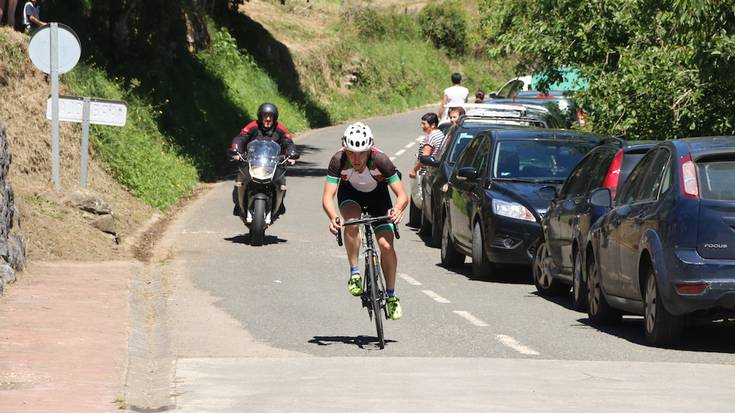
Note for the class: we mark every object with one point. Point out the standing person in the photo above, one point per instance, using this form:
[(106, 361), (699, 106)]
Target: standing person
[(265, 128), (455, 95), (360, 175), (479, 96), (32, 16), (455, 113), (433, 140)]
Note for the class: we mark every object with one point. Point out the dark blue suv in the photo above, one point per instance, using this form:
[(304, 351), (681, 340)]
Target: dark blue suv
[(666, 250)]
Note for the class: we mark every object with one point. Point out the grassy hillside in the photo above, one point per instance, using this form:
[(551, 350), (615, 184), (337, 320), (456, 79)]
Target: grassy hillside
[(193, 77)]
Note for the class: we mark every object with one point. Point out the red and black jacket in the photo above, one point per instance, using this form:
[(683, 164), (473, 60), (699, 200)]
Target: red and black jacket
[(252, 131)]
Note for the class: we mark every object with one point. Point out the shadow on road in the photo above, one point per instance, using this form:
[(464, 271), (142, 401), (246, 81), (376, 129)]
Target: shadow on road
[(245, 239), (503, 274), (563, 300), (700, 337), (359, 341)]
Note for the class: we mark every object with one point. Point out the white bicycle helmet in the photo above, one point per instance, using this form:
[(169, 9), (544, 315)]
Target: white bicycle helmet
[(358, 137)]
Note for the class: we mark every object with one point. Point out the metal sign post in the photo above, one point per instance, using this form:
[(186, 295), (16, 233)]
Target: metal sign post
[(83, 162), (55, 50), (54, 57)]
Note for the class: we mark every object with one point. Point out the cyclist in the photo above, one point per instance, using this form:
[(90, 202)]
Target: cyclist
[(360, 175), (265, 128)]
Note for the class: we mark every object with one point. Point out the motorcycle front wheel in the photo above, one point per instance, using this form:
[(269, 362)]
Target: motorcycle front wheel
[(257, 227)]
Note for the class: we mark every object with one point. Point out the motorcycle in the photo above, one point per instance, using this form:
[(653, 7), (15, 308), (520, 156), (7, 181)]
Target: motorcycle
[(260, 197)]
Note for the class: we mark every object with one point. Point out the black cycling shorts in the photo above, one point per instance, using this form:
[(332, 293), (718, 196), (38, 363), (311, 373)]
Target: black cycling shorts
[(376, 202)]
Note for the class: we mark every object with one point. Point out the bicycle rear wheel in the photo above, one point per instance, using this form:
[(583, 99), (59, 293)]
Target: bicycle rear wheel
[(375, 301)]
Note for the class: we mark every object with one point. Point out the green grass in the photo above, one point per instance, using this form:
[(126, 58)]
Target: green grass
[(247, 85), (138, 155)]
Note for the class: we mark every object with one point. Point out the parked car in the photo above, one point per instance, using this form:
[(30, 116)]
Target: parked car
[(562, 105), (511, 87), (484, 115), (666, 250), (499, 190), (558, 261)]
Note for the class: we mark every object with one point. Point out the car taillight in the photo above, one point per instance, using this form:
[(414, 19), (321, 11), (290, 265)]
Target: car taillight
[(691, 288), (582, 117), (689, 185), (613, 174)]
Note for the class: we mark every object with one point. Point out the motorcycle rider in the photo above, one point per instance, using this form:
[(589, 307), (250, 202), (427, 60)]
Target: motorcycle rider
[(266, 127)]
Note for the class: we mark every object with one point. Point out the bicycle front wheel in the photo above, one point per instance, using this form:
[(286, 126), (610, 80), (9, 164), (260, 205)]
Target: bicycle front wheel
[(375, 301)]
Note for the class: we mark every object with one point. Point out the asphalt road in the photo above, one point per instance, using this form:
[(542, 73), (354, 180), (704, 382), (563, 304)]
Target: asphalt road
[(273, 328)]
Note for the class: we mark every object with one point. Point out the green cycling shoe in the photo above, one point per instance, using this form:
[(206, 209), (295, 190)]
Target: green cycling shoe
[(394, 308), (354, 285)]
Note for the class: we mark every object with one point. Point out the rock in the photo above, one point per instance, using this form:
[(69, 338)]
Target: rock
[(105, 223), (7, 274), (16, 252), (89, 202)]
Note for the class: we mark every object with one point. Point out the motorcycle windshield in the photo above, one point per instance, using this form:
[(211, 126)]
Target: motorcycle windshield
[(263, 158)]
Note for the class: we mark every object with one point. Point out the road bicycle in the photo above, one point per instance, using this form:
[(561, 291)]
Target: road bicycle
[(374, 295)]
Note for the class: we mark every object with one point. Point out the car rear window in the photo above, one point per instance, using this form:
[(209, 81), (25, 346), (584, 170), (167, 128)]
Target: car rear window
[(534, 159), (716, 180)]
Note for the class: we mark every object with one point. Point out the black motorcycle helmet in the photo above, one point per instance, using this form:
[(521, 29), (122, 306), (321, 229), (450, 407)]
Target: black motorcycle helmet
[(265, 109)]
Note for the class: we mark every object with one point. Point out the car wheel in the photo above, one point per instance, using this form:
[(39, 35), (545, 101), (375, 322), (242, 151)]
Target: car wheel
[(662, 328), (449, 255), (579, 286), (481, 266), (425, 229), (414, 215), (598, 310), (543, 276)]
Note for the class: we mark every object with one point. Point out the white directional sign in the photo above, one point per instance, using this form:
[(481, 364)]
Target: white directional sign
[(101, 112)]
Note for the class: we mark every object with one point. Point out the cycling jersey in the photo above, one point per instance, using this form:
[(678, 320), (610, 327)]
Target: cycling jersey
[(367, 189), (379, 170)]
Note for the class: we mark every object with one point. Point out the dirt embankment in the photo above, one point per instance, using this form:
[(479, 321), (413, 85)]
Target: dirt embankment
[(54, 230)]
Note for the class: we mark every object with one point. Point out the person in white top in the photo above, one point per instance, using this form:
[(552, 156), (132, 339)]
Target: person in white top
[(455, 95)]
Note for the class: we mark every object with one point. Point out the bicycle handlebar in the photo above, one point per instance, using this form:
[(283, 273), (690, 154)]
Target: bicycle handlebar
[(369, 220)]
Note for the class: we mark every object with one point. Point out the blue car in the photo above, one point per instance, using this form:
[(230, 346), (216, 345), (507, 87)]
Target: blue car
[(558, 261), (666, 249)]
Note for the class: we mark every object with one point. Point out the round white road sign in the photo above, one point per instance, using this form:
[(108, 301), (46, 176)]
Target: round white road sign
[(68, 49)]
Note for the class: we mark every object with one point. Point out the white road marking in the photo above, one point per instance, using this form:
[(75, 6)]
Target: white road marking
[(407, 278), (472, 319), (419, 139), (515, 345), (187, 232), (410, 144), (401, 152), (392, 158), (436, 297), (277, 281)]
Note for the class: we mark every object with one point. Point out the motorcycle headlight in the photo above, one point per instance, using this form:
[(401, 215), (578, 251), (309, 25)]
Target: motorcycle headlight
[(261, 172), (512, 210)]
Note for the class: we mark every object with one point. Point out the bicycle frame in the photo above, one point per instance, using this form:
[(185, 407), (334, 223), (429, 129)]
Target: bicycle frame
[(374, 294)]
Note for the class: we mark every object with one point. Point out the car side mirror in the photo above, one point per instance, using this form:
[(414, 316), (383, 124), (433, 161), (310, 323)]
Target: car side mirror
[(294, 155), (467, 172), (428, 160), (493, 95), (548, 192), (601, 197)]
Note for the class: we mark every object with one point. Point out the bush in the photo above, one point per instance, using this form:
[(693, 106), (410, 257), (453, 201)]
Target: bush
[(445, 25), (368, 23)]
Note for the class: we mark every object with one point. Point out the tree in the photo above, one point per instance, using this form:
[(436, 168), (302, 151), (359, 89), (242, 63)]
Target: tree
[(658, 69)]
